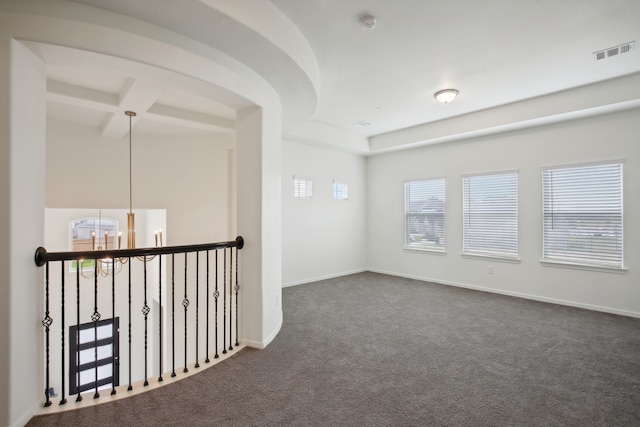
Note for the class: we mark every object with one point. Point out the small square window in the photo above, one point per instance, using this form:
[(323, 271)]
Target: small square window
[(340, 190), (302, 187)]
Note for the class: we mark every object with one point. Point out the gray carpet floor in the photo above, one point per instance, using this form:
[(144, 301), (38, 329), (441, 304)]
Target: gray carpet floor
[(376, 350)]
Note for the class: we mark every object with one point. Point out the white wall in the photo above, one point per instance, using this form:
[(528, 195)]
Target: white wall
[(187, 176), (322, 237), (601, 138)]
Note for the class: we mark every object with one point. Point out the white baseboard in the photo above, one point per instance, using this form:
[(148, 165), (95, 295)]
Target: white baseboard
[(514, 294), (260, 345), (329, 276)]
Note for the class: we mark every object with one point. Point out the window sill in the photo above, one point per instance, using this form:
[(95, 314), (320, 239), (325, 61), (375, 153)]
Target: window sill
[(492, 257), (433, 251), (575, 266)]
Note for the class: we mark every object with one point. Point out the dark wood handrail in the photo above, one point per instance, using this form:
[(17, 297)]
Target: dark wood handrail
[(42, 256)]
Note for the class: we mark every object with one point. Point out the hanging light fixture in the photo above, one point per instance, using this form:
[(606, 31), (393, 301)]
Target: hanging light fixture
[(131, 217), (104, 265), (446, 95)]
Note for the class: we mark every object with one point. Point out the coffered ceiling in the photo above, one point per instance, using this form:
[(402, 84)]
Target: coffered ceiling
[(380, 80)]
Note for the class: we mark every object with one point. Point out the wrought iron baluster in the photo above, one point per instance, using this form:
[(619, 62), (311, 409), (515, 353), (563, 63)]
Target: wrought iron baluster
[(78, 266), (62, 357), (230, 298), (216, 294), (207, 332), (173, 315), (115, 361), (237, 288), (224, 302), (95, 317), (197, 365), (185, 304), (160, 315), (46, 322), (145, 312), (130, 358)]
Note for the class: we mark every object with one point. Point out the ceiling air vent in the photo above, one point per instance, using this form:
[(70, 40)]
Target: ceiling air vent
[(625, 48), (613, 51)]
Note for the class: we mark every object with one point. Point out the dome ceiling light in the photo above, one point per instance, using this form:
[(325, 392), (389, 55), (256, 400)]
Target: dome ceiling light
[(446, 95)]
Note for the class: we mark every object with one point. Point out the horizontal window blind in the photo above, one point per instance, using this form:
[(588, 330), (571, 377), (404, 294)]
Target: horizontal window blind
[(582, 215), (302, 187), (490, 215), (424, 214)]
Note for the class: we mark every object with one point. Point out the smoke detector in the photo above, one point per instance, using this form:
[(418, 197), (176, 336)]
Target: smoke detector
[(368, 22)]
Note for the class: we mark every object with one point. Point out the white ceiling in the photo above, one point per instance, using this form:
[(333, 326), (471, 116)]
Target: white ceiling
[(495, 52), (97, 97)]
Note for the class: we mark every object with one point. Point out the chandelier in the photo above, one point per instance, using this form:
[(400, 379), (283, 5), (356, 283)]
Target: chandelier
[(106, 265)]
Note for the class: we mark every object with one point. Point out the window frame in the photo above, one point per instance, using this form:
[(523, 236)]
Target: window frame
[(341, 194), (437, 246), (474, 250), (302, 192), (576, 261)]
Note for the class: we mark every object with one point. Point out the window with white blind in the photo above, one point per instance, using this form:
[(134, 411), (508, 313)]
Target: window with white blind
[(582, 215), (490, 215), (340, 190), (424, 215), (302, 187)]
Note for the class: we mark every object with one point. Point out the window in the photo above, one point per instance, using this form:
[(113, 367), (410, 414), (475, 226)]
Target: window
[(302, 187), (92, 234), (93, 355), (582, 215), (490, 215), (424, 214), (340, 190)]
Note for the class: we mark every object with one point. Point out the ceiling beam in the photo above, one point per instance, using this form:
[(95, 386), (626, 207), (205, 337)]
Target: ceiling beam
[(192, 119), (78, 96), (137, 96)]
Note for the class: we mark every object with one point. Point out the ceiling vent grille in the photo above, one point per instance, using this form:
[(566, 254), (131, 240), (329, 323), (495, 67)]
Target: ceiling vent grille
[(613, 51)]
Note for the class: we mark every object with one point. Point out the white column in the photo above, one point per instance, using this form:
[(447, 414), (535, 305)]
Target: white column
[(259, 222), (22, 150)]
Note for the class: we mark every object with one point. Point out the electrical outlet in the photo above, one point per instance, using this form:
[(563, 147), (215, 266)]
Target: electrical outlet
[(490, 269)]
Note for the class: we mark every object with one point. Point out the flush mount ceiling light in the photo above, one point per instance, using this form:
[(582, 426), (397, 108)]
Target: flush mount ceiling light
[(446, 95)]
